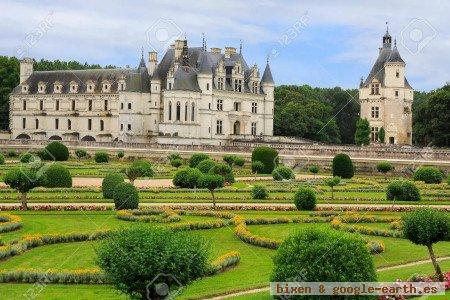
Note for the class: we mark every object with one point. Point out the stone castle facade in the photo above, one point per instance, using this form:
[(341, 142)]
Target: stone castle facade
[(386, 97), (192, 96)]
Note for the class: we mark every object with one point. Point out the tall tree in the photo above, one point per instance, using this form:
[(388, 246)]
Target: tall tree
[(362, 134)]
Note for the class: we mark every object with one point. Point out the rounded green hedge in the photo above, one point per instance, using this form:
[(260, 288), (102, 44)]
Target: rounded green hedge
[(257, 167), (101, 157), (323, 255), (239, 161), (187, 178), (80, 153), (314, 169), (426, 226), (229, 159), (259, 192), (205, 165), (343, 166), (126, 196), (109, 184), (141, 261), (428, 175), (177, 162), (305, 199), (56, 151), (266, 155), (26, 157), (223, 170), (402, 190), (2, 159), (55, 175), (196, 158), (282, 173)]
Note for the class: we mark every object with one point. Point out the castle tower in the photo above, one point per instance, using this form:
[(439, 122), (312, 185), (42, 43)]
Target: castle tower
[(386, 97)]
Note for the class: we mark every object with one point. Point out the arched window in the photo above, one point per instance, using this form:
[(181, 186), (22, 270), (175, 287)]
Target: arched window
[(193, 112), (186, 108), (170, 111), (178, 111)]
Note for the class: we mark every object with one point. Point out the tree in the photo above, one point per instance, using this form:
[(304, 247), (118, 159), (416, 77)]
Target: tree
[(384, 167), (362, 134), (186, 178), (101, 157), (205, 165), (109, 184), (314, 169), (211, 182), (139, 168), (229, 159), (139, 260), (9, 79), (427, 227), (428, 175), (223, 170), (126, 196), (22, 180), (259, 192), (343, 166), (382, 135), (402, 190), (176, 163), (283, 173), (196, 158), (305, 198), (332, 182), (56, 151), (56, 175), (268, 156)]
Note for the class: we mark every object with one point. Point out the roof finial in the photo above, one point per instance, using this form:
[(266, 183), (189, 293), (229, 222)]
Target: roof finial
[(142, 51), (203, 42), (267, 60), (240, 46), (387, 27), (395, 42)]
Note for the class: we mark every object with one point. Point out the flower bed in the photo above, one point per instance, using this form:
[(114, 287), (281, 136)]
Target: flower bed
[(59, 207), (149, 215), (9, 223), (81, 276), (337, 224), (225, 262)]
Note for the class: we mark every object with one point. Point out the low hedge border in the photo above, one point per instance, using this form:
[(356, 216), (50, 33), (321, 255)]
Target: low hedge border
[(10, 223), (336, 223), (80, 276), (58, 208), (224, 262), (157, 216), (18, 246)]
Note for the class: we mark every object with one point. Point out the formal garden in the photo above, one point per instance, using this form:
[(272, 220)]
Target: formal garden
[(223, 224)]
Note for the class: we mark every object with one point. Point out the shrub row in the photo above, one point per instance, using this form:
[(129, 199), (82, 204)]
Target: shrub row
[(167, 216), (10, 223), (225, 262), (337, 224), (242, 232), (199, 225), (81, 276), (375, 247)]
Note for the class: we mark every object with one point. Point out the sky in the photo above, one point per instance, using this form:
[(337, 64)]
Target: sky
[(320, 43)]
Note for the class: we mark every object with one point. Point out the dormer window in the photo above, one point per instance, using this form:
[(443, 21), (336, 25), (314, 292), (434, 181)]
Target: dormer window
[(24, 88), (106, 87), (57, 87), (255, 87), (238, 85), (41, 87), (121, 86), (90, 87), (375, 89), (73, 87), (220, 83)]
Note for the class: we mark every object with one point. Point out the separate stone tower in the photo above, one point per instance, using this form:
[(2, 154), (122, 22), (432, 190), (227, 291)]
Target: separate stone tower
[(386, 96)]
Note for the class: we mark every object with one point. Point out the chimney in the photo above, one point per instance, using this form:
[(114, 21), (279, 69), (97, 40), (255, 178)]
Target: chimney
[(178, 48), (216, 50), (26, 69), (152, 62), (229, 51)]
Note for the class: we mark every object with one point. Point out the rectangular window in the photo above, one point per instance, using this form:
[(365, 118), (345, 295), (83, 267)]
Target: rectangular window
[(24, 123), (69, 125), (375, 89), (41, 105), (207, 86), (219, 127), (374, 134), (121, 127), (237, 106), (255, 87), (56, 123), (209, 105), (24, 104), (220, 83), (397, 74), (102, 125), (37, 123), (396, 93), (57, 105), (375, 112), (106, 105), (220, 104), (238, 85), (90, 105), (121, 105), (254, 107), (129, 126), (170, 85), (253, 128), (129, 105), (73, 105), (89, 124)]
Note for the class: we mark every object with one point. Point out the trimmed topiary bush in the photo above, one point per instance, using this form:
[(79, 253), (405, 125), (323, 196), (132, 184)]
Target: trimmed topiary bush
[(223, 170), (229, 159), (302, 255), (314, 169), (305, 199), (176, 162), (26, 157), (80, 153), (101, 157), (56, 175), (160, 258), (384, 167), (332, 182), (186, 178), (239, 161), (266, 155), (173, 156), (109, 184), (12, 153), (196, 158), (427, 227), (2, 159), (139, 168), (211, 182), (56, 151), (205, 165), (402, 190), (23, 180), (120, 154), (428, 175), (257, 167), (283, 173), (259, 192), (343, 166), (126, 196)]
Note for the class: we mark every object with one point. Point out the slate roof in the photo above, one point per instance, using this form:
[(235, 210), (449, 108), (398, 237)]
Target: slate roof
[(267, 76), (136, 80), (386, 55)]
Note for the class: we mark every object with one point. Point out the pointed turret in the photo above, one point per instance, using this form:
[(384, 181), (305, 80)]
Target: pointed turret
[(142, 67), (267, 75), (387, 39), (395, 55), (205, 65)]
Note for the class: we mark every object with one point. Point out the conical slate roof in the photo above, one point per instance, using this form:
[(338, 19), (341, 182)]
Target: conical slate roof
[(205, 65), (395, 55), (267, 76)]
